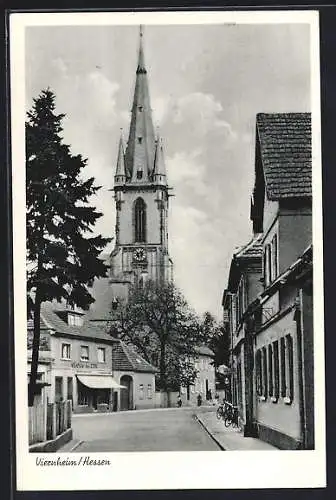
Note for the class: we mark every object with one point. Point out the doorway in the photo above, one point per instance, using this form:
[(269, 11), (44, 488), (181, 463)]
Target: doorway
[(126, 395)]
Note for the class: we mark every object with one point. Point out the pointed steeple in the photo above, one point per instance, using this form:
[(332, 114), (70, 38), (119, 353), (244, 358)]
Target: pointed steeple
[(141, 141), (159, 173), (120, 174), (141, 60)]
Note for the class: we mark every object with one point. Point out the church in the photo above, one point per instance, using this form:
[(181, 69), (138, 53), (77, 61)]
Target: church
[(141, 196), (140, 253)]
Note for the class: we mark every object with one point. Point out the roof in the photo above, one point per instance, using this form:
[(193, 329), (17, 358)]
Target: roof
[(247, 253), (204, 350), (125, 358), (102, 292), (285, 148), (52, 319), (253, 249)]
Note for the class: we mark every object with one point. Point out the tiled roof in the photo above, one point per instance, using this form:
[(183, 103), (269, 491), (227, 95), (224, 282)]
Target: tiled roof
[(101, 291), (252, 249), (285, 144), (124, 358), (51, 320)]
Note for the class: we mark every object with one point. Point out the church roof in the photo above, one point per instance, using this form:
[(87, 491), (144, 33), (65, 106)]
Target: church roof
[(140, 148), (125, 358), (285, 148)]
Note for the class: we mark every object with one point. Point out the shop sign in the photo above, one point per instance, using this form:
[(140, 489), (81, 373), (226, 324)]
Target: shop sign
[(83, 365)]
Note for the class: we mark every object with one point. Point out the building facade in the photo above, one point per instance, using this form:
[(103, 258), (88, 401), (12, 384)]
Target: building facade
[(136, 375), (275, 382), (204, 385), (75, 360)]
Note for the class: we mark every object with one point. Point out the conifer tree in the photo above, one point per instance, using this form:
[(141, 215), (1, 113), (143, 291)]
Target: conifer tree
[(62, 252)]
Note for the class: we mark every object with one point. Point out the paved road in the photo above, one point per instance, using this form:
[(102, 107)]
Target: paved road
[(151, 430)]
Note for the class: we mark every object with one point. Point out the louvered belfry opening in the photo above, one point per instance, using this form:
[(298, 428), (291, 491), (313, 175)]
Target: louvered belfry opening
[(140, 221)]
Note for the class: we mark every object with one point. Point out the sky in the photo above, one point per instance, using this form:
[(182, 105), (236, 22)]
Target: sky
[(207, 83)]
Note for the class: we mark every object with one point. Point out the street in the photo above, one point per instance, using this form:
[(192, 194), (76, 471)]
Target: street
[(143, 430)]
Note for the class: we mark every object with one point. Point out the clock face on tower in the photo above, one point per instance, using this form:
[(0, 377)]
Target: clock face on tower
[(139, 255)]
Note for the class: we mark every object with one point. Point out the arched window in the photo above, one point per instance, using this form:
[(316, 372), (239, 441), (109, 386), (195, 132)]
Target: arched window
[(140, 221)]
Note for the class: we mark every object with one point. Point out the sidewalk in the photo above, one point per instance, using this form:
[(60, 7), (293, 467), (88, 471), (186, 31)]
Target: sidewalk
[(228, 438)]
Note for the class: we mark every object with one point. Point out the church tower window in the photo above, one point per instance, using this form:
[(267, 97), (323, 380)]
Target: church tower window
[(139, 173), (140, 221)]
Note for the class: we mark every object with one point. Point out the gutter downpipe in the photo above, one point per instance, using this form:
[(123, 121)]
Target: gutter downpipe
[(299, 335)]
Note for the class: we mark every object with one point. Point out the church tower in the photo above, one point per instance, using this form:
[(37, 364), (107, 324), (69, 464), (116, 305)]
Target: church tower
[(141, 195)]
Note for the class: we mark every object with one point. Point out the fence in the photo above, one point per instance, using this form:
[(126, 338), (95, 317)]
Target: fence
[(46, 422)]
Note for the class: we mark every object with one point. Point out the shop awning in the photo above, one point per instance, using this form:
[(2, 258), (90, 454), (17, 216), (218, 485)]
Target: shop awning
[(100, 382)]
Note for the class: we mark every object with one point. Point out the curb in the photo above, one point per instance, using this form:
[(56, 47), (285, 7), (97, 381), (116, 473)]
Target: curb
[(209, 433), (76, 445)]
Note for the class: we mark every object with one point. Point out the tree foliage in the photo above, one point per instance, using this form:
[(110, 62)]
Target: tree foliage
[(216, 337), (158, 322), (62, 252)]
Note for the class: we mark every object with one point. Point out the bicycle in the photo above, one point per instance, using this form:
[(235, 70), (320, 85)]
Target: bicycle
[(222, 410), (232, 416)]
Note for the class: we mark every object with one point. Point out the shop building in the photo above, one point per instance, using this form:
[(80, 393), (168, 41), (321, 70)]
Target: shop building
[(75, 359)]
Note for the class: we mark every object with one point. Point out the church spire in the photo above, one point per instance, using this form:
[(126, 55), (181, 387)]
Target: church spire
[(120, 174), (159, 173), (141, 141)]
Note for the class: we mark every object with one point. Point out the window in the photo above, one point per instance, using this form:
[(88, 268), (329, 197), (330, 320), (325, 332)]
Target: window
[(259, 381), (139, 140), (101, 354), (141, 391), (283, 367), (270, 263), (270, 370), (140, 108), (286, 369), (140, 220), (58, 389), (275, 270), (83, 397), (139, 173), (70, 389), (84, 353), (264, 372), (289, 370), (240, 300), (74, 320), (275, 371), (149, 391), (65, 351), (192, 389)]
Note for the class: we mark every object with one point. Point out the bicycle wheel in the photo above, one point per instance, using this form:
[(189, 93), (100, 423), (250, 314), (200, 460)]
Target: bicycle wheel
[(228, 421)]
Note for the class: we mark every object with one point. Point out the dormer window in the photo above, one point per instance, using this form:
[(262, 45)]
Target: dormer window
[(74, 320)]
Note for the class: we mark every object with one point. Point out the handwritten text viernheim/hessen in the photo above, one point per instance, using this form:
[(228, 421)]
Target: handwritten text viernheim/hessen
[(64, 462)]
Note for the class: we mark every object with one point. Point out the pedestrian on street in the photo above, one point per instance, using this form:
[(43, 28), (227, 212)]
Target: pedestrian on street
[(179, 401)]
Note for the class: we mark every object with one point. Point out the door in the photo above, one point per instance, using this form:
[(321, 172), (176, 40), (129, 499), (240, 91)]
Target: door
[(126, 395)]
